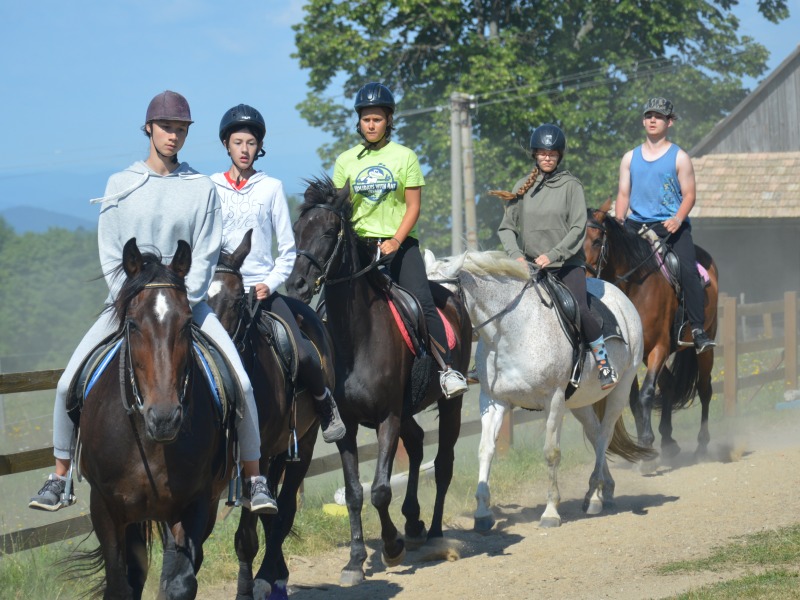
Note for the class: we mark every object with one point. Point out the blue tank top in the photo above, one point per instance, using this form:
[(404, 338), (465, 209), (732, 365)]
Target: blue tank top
[(655, 190)]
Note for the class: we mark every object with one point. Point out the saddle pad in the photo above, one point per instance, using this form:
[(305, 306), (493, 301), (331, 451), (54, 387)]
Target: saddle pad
[(448, 328)]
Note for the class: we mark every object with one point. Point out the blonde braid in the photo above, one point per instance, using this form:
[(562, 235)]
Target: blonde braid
[(508, 196)]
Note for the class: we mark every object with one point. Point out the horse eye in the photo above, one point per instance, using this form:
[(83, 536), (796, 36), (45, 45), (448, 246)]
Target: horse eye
[(596, 243)]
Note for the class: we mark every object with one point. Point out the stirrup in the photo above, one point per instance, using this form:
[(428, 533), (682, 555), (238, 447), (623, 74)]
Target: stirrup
[(293, 455), (235, 488)]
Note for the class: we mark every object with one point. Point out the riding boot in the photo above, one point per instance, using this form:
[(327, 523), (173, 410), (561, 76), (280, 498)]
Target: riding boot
[(701, 340), (333, 428), (606, 373)]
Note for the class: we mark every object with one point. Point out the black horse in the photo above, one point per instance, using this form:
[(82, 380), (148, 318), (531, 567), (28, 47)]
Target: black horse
[(373, 370), (283, 418), (153, 446)]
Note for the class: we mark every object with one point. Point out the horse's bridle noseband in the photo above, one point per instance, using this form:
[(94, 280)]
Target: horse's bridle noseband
[(126, 365)]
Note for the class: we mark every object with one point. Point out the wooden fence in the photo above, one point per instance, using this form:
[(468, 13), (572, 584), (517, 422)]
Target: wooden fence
[(730, 347)]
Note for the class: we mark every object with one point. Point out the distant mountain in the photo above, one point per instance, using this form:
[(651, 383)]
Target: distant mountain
[(23, 219)]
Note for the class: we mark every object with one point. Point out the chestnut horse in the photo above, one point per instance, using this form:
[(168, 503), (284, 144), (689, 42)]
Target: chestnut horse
[(374, 370), (153, 444), (629, 262), (287, 419)]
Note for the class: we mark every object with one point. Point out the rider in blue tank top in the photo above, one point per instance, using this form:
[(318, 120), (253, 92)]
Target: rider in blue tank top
[(655, 189), (656, 181)]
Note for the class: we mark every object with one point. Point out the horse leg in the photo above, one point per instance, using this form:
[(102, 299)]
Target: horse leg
[(552, 456), (595, 497), (413, 436), (136, 551), (353, 572), (705, 362), (111, 537), (188, 534), (388, 434), (647, 394), (636, 408), (245, 543), (492, 413), (449, 428)]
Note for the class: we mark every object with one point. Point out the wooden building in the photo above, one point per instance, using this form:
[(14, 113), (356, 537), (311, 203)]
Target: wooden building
[(748, 189)]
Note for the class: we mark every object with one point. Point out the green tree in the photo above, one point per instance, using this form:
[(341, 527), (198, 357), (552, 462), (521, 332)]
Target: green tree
[(587, 65)]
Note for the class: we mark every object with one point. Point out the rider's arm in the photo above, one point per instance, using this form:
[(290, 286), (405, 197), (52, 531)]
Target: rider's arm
[(683, 165), (624, 188)]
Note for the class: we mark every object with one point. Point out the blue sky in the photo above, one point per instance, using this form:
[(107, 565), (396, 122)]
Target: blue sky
[(77, 77)]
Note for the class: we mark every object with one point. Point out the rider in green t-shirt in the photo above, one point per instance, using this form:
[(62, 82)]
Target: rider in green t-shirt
[(386, 189)]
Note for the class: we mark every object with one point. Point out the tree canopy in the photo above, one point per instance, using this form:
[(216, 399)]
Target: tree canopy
[(586, 65)]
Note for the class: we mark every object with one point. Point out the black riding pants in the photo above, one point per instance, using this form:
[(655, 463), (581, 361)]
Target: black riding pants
[(408, 269), (682, 244), (574, 277), (308, 368)]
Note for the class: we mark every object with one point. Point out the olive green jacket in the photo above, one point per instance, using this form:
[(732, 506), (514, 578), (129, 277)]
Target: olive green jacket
[(549, 219)]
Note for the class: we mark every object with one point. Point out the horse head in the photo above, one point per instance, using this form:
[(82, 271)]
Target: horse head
[(594, 244), (320, 235), (226, 294), (154, 316)]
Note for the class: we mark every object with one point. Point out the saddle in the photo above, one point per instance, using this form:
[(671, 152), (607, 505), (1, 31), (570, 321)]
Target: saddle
[(278, 335), (566, 307), (218, 375)]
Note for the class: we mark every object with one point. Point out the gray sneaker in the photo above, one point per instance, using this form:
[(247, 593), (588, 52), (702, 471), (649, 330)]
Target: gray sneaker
[(452, 382), (51, 496), (256, 497)]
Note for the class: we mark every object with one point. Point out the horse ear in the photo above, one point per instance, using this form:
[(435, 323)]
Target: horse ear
[(243, 250), (429, 257), (344, 193), (606, 206), (182, 261), (131, 258)]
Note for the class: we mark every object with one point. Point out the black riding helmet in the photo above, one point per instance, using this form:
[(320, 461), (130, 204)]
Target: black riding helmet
[(374, 94), (242, 116), (549, 137)]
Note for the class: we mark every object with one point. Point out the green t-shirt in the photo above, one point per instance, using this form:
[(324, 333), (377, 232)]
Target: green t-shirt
[(378, 182)]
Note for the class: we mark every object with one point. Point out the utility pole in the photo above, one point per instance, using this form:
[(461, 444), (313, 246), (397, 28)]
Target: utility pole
[(456, 185), (470, 218)]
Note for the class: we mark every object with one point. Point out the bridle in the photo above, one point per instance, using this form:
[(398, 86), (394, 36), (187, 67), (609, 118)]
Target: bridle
[(243, 323), (325, 267), (602, 257), (128, 372)]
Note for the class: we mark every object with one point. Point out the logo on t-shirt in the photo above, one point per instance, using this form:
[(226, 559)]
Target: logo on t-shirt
[(374, 183)]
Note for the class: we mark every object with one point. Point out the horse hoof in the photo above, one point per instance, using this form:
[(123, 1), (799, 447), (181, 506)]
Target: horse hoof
[(417, 541), (393, 562), (550, 522), (595, 507), (646, 467), (350, 578), (670, 450), (483, 524), (261, 589), (279, 592)]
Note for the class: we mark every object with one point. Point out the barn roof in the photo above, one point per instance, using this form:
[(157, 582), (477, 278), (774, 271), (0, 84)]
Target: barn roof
[(755, 185)]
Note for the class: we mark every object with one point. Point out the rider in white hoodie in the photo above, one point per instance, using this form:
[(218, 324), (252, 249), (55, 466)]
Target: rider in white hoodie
[(159, 201), (253, 200)]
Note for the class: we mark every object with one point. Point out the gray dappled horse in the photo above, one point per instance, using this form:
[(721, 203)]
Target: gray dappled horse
[(524, 359)]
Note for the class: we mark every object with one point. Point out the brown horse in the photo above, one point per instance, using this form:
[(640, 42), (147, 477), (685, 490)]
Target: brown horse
[(282, 416), (628, 261), (374, 370), (153, 441)]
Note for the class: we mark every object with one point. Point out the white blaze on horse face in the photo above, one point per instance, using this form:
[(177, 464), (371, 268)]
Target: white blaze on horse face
[(161, 306), (214, 289)]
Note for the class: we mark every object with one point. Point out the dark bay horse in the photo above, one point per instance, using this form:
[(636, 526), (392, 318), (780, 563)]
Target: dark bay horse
[(628, 261), (373, 370), (281, 415), (153, 444)]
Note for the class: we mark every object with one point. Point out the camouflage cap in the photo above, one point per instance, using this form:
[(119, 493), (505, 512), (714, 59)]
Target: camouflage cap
[(661, 106)]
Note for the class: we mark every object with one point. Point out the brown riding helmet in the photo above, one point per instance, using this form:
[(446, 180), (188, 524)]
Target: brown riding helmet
[(168, 106)]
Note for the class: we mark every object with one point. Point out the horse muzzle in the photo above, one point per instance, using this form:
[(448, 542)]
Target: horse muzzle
[(162, 424)]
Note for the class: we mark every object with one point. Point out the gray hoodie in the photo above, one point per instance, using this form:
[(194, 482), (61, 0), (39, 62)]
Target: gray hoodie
[(158, 210)]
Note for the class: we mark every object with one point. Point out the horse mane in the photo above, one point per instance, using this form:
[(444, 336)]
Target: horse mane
[(628, 249), (321, 190), (152, 270), (495, 262)]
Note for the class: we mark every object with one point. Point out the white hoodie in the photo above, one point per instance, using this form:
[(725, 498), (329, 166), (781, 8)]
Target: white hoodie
[(261, 206), (158, 210)]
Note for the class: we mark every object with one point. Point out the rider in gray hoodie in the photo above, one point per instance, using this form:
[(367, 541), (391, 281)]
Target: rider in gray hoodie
[(159, 201)]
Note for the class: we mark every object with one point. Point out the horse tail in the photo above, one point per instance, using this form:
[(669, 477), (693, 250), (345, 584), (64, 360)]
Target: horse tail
[(82, 565), (679, 381), (622, 444)]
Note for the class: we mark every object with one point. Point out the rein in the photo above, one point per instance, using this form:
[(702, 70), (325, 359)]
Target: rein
[(127, 371), (324, 268), (602, 259), (243, 324)]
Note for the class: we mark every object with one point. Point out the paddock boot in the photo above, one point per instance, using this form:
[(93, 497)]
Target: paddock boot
[(52, 496), (701, 340), (606, 373), (333, 428)]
